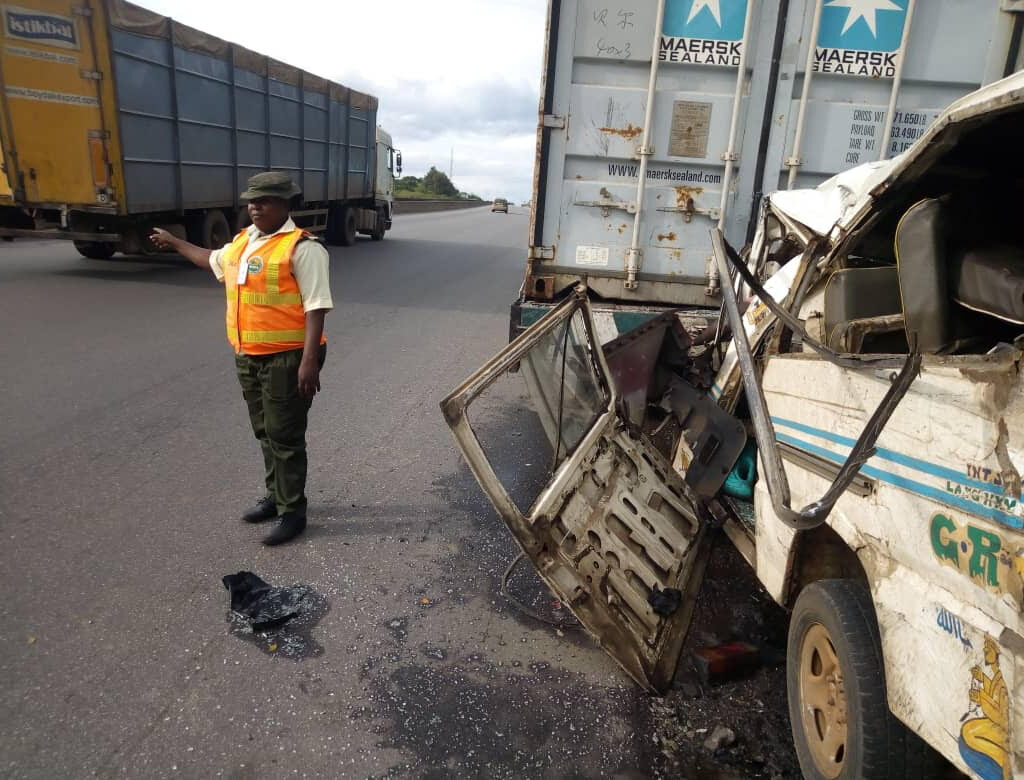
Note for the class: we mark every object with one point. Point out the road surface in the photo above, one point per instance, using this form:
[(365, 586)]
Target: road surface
[(127, 460)]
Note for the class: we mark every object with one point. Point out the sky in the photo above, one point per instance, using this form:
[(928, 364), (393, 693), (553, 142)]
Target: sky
[(462, 74)]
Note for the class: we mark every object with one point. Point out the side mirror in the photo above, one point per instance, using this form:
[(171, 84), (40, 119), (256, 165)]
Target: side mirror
[(398, 162)]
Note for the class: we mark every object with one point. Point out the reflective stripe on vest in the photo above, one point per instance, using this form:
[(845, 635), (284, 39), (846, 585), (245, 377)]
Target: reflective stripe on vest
[(265, 313)]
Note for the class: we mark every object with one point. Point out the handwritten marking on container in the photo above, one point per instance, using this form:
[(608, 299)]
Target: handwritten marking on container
[(951, 624)]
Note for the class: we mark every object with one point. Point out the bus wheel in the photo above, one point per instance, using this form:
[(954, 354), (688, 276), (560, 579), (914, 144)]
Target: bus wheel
[(835, 678), (95, 250)]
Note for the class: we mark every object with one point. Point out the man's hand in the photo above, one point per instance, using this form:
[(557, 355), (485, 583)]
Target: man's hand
[(164, 240), (309, 377), (196, 255)]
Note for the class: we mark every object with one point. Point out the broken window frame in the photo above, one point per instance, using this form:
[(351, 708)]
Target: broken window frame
[(815, 513), (647, 644), (455, 406)]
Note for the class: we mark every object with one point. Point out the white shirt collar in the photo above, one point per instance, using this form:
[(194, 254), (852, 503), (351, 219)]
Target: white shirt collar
[(254, 232)]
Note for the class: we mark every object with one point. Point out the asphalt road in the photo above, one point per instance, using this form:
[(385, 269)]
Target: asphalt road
[(127, 459)]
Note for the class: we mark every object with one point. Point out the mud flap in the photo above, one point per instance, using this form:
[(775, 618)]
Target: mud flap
[(613, 524)]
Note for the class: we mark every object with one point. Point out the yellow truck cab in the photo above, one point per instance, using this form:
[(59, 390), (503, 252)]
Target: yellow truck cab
[(115, 119)]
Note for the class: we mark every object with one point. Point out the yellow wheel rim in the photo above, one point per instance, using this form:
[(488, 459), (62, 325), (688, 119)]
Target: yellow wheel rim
[(823, 701)]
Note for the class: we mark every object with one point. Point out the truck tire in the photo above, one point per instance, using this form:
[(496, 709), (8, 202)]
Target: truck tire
[(242, 220), (96, 250), (835, 678), (348, 227), (341, 226), (378, 227), (215, 231)]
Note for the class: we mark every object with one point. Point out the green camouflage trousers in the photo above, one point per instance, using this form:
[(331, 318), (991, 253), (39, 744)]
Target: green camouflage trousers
[(270, 387)]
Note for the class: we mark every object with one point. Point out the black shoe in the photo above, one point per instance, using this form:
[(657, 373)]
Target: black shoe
[(291, 525), (265, 509)]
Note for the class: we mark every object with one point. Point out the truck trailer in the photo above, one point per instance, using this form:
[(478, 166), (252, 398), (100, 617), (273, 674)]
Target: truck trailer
[(115, 120)]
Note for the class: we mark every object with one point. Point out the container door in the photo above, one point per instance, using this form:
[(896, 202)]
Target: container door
[(913, 55), (595, 507), (54, 140), (594, 103)]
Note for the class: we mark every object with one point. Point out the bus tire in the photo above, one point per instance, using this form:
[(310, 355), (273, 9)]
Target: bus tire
[(835, 680), (96, 250)]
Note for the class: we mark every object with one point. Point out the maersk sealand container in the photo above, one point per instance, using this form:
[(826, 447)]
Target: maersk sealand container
[(638, 156), (115, 119)]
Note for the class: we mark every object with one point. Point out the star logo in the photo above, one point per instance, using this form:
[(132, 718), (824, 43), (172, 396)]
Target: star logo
[(713, 6), (858, 9)]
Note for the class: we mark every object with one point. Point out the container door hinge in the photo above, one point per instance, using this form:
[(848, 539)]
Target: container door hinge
[(81, 10), (552, 120), (541, 253), (1012, 6), (95, 75)]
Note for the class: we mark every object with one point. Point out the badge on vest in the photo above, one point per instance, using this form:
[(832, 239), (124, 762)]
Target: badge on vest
[(253, 266)]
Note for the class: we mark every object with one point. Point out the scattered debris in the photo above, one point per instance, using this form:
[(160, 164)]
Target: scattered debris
[(721, 737), (279, 621), (260, 602), (728, 661), (665, 602)]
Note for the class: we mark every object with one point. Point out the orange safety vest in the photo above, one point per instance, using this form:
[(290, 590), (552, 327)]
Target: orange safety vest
[(265, 313)]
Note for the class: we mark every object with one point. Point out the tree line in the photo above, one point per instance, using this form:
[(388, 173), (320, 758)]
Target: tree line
[(434, 184)]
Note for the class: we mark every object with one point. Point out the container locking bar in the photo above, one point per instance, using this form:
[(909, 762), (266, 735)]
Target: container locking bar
[(634, 254)]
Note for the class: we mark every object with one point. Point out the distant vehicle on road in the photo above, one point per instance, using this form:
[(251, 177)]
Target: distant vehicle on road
[(500, 204), (119, 120)]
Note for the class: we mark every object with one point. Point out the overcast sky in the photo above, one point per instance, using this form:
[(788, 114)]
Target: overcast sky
[(456, 73)]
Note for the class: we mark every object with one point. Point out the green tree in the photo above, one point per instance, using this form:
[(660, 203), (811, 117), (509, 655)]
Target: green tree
[(412, 183), (437, 183)]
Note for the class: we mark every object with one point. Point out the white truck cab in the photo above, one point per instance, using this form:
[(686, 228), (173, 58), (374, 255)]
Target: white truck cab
[(877, 332), (389, 166)]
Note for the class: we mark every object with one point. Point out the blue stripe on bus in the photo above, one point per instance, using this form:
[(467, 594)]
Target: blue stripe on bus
[(910, 485), (896, 457)]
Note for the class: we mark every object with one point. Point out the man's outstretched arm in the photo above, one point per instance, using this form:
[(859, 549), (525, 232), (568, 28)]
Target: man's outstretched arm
[(195, 254)]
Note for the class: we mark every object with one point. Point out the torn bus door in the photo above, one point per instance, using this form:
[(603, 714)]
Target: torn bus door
[(613, 524)]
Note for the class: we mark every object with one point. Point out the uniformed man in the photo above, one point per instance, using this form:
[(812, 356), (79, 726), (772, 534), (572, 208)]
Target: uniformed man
[(278, 293)]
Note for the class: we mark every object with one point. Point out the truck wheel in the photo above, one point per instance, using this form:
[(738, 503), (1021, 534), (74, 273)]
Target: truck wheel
[(341, 226), (96, 250), (348, 227), (378, 227), (215, 232), (242, 220), (835, 678)]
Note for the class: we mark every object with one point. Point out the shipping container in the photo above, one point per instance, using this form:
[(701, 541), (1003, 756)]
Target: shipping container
[(116, 119), (639, 156)]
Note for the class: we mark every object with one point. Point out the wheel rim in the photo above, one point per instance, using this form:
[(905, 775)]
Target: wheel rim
[(823, 701)]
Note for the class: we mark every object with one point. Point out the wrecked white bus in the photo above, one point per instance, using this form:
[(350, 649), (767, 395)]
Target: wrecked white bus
[(869, 348)]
